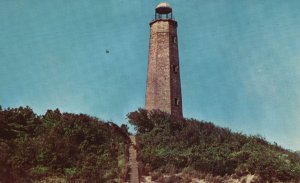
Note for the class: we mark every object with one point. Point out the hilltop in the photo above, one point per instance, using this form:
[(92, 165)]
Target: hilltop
[(60, 147), (200, 149), (66, 147)]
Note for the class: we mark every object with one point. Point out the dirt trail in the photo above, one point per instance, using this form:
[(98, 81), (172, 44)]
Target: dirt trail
[(133, 164)]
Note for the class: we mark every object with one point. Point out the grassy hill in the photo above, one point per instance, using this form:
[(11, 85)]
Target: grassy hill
[(168, 145), (60, 147), (66, 147)]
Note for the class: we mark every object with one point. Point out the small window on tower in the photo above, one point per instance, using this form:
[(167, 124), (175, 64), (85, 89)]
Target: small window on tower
[(175, 68), (174, 39), (176, 101)]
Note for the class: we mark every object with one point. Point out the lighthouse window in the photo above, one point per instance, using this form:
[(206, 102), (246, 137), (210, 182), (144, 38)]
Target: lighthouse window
[(175, 68), (174, 39), (176, 101)]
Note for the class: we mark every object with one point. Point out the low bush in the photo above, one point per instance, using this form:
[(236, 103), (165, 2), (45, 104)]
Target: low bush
[(61, 145), (168, 144)]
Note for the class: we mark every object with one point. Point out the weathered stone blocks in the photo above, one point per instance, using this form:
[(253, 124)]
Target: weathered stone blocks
[(163, 81)]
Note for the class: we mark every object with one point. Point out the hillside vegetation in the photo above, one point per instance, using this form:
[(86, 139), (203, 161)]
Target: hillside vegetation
[(66, 147), (169, 145), (62, 147)]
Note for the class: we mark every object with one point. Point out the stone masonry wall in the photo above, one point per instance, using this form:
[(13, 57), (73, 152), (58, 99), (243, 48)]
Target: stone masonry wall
[(163, 82)]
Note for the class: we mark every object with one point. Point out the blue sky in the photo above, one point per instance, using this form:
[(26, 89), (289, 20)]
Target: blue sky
[(239, 60)]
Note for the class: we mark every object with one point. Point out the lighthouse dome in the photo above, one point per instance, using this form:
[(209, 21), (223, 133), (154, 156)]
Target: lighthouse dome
[(163, 8)]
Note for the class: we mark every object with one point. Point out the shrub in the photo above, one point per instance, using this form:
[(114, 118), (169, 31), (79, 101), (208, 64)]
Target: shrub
[(61, 145), (206, 148)]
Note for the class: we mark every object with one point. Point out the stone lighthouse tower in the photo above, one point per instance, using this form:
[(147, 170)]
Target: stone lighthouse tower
[(163, 82)]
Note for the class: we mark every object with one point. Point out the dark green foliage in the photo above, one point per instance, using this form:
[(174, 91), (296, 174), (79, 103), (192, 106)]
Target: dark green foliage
[(168, 142), (64, 145)]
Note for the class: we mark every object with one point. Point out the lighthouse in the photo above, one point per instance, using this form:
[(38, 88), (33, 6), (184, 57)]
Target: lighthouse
[(163, 90)]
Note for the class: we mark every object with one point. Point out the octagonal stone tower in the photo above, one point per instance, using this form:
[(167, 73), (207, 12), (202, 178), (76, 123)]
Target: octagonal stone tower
[(163, 81)]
